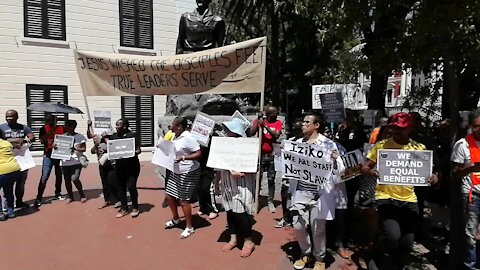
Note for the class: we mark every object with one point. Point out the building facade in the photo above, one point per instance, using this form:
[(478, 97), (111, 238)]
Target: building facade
[(37, 40)]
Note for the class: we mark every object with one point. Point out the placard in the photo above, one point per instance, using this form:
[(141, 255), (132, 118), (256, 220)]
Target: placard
[(277, 157), (63, 149), (164, 155), (202, 128), (240, 116), (306, 162), (404, 167), (234, 154), (353, 162), (333, 107), (102, 121), (24, 158), (121, 148)]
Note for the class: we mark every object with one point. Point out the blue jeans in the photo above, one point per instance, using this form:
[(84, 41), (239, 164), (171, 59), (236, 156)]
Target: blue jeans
[(6, 183), (472, 212), (47, 165)]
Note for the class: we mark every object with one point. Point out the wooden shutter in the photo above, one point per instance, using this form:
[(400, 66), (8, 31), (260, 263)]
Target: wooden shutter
[(44, 19), (136, 23), (44, 93), (138, 111)]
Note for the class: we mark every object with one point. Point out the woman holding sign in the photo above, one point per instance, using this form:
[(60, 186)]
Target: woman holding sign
[(396, 204), (184, 179)]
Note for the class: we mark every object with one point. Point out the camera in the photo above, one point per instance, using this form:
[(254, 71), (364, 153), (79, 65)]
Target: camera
[(261, 116)]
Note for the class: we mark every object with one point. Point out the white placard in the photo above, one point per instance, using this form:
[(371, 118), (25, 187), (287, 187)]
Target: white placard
[(63, 147), (234, 154), (202, 128), (24, 158), (164, 155), (277, 157), (102, 121), (121, 148), (240, 116)]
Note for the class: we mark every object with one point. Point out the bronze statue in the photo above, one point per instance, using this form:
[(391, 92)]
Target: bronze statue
[(200, 30)]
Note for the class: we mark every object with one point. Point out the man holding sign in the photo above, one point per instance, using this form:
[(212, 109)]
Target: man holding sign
[(312, 162), (397, 203)]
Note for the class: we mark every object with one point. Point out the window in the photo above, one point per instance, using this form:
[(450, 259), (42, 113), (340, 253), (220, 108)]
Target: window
[(44, 19), (44, 93), (389, 95), (136, 23), (138, 111)]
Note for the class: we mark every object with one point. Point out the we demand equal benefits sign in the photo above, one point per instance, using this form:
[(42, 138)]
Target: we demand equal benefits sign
[(404, 169)]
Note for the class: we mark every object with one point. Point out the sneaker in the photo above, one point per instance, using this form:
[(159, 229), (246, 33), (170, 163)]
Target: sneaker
[(186, 233), (282, 223), (83, 200), (117, 205), (60, 197), (319, 266), (212, 215), (135, 213), (121, 213), (37, 203), (300, 263), (3, 217), (21, 205), (10, 213), (271, 207)]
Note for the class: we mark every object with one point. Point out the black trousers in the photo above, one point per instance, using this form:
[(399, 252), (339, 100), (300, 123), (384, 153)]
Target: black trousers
[(398, 223), (204, 194), (109, 185), (285, 195), (240, 224), (127, 176)]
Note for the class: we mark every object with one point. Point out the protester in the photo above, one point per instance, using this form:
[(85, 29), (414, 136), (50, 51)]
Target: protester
[(72, 167), (285, 192), (376, 131), (396, 204), (313, 204), (466, 165), (205, 199), (272, 129), (237, 189), (184, 179), (47, 136), (9, 173), (127, 171), (18, 134)]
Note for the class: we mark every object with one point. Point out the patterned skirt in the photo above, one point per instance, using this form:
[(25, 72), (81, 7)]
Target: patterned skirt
[(182, 186)]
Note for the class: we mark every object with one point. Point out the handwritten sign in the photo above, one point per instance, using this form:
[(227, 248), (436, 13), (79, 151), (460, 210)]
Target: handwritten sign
[(306, 162), (102, 121), (202, 128), (63, 149), (164, 155), (404, 167), (24, 158), (239, 67), (333, 107), (121, 148), (234, 154), (353, 162)]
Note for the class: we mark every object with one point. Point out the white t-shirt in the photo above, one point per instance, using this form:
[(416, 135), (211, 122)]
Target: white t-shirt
[(185, 144), (77, 140), (461, 155)]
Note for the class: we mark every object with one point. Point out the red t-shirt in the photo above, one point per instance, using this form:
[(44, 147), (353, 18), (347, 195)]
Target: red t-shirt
[(267, 141)]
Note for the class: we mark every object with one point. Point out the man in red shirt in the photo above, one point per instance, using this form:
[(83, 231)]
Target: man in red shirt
[(47, 135), (272, 129)]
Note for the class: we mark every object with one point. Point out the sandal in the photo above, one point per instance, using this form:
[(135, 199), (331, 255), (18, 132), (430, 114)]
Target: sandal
[(247, 250), (229, 246), (186, 233), (106, 204), (172, 223), (121, 213)]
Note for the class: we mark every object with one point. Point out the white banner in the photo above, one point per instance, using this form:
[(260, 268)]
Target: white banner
[(63, 147), (236, 68), (202, 127), (306, 162), (234, 154), (164, 155), (121, 148)]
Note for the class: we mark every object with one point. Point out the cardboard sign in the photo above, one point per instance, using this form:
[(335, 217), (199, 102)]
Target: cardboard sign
[(202, 128), (164, 155), (404, 167), (102, 121), (306, 162), (353, 162), (121, 148), (63, 148), (234, 154)]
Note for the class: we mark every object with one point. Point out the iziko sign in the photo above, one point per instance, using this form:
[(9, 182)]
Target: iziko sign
[(404, 167)]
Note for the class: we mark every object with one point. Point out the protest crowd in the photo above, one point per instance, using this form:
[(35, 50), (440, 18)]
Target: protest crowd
[(329, 173)]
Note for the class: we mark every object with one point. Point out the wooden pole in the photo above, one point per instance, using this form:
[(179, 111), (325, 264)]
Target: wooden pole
[(259, 177)]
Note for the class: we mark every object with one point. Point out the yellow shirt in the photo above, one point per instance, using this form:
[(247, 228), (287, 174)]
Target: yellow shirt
[(397, 192), (8, 163), (169, 136)]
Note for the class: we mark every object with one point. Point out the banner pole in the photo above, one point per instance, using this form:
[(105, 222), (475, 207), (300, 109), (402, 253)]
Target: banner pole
[(259, 175)]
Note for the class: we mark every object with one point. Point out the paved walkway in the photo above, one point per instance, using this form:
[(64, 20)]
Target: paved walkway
[(80, 236)]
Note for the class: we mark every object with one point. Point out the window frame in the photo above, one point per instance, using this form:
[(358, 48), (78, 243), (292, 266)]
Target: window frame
[(44, 13), (136, 18)]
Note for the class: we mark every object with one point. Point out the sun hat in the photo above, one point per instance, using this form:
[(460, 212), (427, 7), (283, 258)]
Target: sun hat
[(236, 126), (401, 120)]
